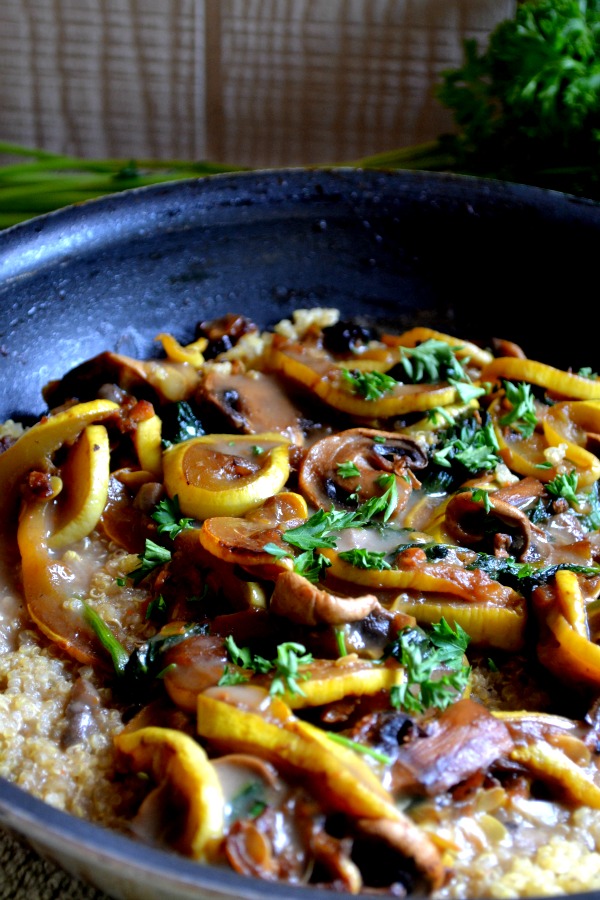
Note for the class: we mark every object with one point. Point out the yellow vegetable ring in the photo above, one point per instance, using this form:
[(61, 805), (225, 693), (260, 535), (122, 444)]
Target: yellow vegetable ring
[(325, 379), (85, 478), (487, 626), (454, 580), (176, 758), (566, 383), (35, 446), (224, 474)]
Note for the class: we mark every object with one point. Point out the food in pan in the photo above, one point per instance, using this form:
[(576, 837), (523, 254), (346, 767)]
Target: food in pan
[(320, 604)]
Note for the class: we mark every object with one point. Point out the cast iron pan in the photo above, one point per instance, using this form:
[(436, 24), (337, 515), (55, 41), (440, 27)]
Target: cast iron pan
[(474, 258)]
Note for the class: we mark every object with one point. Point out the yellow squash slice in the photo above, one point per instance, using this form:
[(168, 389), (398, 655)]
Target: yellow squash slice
[(565, 383), (175, 758), (224, 474), (35, 447), (85, 478)]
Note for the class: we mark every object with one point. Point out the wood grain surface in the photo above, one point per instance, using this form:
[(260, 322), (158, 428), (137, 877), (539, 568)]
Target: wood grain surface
[(250, 82)]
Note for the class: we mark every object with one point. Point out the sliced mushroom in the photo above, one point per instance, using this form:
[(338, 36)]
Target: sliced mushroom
[(404, 836), (193, 665), (468, 522), (300, 601), (151, 379), (462, 740), (250, 402), (344, 469), (80, 713)]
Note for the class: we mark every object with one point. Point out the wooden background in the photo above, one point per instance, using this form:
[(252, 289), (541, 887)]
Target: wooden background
[(250, 82)]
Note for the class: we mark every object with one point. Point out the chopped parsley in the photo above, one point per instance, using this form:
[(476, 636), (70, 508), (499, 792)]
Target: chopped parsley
[(154, 555), (469, 444), (422, 655), (285, 666), (365, 559), (348, 470), (369, 385), (431, 362), (565, 486), (522, 417), (167, 515)]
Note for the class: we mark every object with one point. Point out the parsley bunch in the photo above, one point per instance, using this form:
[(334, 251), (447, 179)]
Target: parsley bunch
[(528, 106)]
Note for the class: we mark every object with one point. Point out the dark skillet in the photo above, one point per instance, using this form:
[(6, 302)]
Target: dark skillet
[(474, 258)]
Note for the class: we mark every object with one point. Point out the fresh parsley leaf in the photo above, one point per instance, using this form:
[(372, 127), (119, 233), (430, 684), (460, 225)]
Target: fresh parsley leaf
[(275, 550), (422, 655), (290, 656), (154, 555), (383, 505), (348, 470), (167, 515), (564, 485), (316, 532), (483, 497), (369, 385), (311, 565), (365, 559), (231, 677), (430, 362), (587, 372), (243, 657), (466, 391), (522, 416), (468, 444)]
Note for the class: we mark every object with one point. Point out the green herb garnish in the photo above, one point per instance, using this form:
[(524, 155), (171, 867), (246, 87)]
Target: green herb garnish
[(422, 655), (522, 417), (369, 385), (348, 470), (167, 515)]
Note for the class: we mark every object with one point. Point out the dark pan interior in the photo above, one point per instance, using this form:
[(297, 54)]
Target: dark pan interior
[(474, 258)]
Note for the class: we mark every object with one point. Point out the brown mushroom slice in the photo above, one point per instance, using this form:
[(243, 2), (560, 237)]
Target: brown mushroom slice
[(462, 740), (250, 402), (191, 666), (410, 841), (468, 522), (299, 600), (349, 464), (151, 379)]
